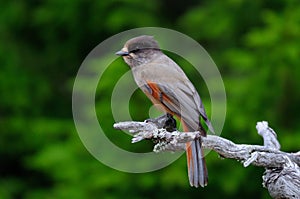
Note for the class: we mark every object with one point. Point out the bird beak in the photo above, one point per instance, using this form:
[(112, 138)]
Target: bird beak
[(122, 53)]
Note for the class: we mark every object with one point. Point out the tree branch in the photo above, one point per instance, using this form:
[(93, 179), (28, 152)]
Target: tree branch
[(282, 175)]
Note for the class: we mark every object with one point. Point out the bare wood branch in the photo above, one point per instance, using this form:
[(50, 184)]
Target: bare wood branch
[(282, 175)]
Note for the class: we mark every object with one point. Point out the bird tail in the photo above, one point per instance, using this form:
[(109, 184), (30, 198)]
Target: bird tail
[(197, 170)]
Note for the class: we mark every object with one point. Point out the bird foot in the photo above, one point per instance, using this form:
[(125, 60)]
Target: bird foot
[(165, 121)]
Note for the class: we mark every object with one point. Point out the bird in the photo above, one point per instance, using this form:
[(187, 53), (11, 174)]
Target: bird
[(166, 85)]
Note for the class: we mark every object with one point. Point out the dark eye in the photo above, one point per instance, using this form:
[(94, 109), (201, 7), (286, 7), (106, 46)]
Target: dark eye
[(134, 50)]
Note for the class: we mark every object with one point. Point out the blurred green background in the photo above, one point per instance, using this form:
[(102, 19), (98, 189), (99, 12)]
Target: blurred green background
[(255, 44)]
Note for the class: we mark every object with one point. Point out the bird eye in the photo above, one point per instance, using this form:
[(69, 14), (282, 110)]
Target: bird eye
[(134, 50)]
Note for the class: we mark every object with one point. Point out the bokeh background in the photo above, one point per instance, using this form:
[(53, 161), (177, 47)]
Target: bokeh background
[(255, 44)]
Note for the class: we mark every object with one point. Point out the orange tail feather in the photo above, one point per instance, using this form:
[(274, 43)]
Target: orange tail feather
[(197, 170)]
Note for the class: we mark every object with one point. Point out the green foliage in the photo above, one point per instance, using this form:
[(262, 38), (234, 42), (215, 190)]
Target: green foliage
[(255, 44)]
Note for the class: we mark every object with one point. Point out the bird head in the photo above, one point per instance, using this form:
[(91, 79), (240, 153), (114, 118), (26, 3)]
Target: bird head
[(139, 50)]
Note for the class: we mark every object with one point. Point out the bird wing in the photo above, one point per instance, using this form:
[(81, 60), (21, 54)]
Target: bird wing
[(163, 81), (177, 101)]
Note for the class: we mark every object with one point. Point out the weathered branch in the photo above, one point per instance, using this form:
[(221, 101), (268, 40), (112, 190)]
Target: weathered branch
[(282, 175)]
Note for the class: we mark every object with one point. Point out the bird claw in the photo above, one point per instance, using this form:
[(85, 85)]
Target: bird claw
[(165, 121)]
